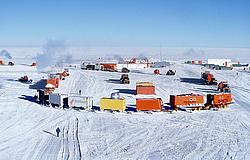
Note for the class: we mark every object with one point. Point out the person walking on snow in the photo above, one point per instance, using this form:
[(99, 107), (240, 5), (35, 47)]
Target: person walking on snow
[(58, 131)]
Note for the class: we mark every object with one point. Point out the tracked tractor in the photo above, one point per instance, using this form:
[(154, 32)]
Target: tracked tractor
[(25, 79), (223, 86), (171, 72), (209, 78), (124, 79)]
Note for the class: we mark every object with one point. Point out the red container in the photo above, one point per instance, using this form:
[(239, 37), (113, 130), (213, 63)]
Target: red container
[(145, 89), (149, 104)]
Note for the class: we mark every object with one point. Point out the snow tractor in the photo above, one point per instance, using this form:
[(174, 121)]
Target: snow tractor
[(171, 72), (157, 71), (33, 64), (125, 70), (209, 78), (223, 86), (124, 79), (25, 79), (11, 63)]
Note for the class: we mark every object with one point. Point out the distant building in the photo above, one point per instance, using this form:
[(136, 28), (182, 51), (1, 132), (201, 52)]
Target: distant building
[(220, 62), (241, 66)]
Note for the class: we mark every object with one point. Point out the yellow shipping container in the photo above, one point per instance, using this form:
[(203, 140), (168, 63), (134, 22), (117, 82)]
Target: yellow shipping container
[(113, 104)]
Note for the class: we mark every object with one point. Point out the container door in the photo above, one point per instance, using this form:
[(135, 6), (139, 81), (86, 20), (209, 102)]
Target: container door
[(65, 103)]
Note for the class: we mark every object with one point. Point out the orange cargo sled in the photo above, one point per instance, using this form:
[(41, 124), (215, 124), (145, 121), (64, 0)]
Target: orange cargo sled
[(218, 100), (191, 101), (149, 104)]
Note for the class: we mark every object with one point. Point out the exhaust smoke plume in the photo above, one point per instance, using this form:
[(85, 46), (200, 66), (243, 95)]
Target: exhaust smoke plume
[(194, 53), (63, 59), (118, 57), (5, 54), (49, 57)]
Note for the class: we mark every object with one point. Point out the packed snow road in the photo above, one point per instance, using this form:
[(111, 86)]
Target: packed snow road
[(27, 130)]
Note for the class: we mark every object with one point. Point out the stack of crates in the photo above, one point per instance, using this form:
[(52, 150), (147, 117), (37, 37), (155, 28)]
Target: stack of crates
[(146, 99)]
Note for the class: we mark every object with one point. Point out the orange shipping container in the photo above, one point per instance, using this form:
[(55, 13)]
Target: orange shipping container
[(188, 100), (109, 67), (54, 81), (145, 89), (148, 104)]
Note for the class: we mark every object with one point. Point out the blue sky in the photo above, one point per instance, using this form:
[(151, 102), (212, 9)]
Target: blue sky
[(173, 23)]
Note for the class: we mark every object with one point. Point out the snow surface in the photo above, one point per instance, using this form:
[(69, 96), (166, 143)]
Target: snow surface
[(27, 129)]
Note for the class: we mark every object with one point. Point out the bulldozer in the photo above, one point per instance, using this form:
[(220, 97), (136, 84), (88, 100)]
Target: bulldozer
[(124, 79), (125, 70), (171, 72), (223, 86)]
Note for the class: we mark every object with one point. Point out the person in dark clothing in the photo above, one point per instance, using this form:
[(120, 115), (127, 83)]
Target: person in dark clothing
[(58, 131), (80, 92)]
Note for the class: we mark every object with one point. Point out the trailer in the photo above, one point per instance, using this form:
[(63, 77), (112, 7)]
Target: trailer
[(79, 101), (113, 104)]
